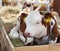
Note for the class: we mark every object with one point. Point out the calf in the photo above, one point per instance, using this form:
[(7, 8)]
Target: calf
[(34, 27)]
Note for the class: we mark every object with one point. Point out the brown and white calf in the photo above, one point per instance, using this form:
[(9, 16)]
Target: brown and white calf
[(37, 26)]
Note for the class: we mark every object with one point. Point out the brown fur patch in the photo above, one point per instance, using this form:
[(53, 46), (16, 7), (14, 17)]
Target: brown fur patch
[(43, 8), (35, 7), (46, 25), (54, 31), (56, 6), (22, 23), (6, 2)]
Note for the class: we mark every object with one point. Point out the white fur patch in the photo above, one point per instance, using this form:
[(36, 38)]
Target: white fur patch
[(35, 30), (53, 42), (22, 38), (14, 32), (29, 40), (51, 27)]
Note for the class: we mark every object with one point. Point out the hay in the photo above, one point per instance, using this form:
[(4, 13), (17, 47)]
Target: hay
[(9, 14)]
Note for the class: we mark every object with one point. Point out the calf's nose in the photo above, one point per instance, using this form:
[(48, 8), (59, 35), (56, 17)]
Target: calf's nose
[(26, 34)]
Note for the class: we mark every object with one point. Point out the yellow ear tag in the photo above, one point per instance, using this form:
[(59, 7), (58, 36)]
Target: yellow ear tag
[(24, 19), (47, 20)]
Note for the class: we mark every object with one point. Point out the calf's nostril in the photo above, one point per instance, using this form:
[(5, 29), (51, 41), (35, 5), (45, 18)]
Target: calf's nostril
[(26, 34)]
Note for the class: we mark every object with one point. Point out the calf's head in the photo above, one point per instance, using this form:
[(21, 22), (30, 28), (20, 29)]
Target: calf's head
[(31, 25)]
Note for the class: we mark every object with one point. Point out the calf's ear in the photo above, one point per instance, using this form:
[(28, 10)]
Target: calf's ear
[(48, 14)]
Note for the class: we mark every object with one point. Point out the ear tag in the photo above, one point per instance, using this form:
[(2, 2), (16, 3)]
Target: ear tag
[(47, 20), (24, 19)]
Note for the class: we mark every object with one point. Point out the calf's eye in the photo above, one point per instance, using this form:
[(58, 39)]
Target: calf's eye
[(37, 22)]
